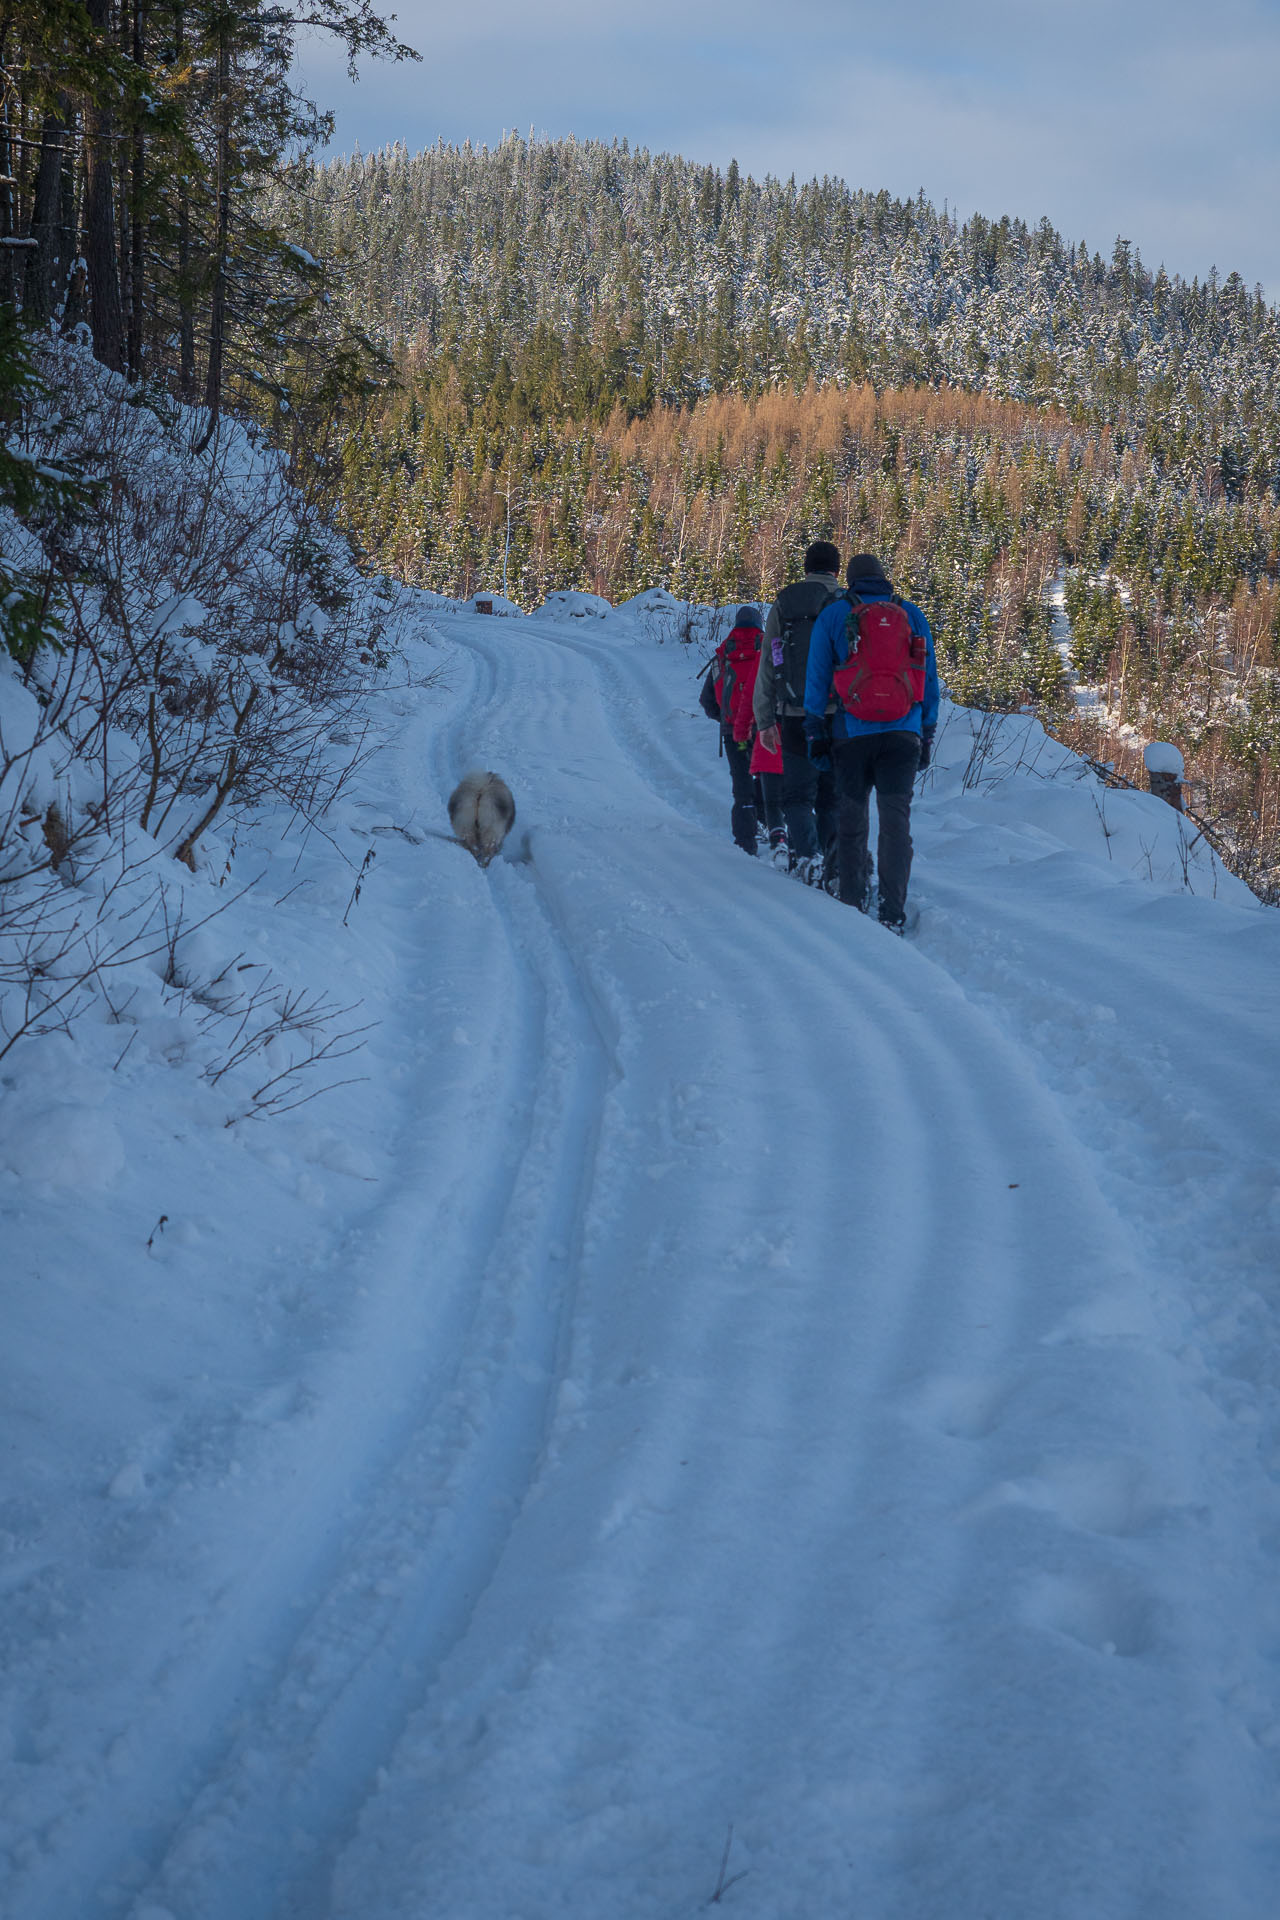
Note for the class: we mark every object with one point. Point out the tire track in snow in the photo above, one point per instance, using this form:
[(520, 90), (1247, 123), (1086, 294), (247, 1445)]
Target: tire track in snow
[(324, 1646), (376, 1637), (789, 1435), (636, 727), (885, 1432), (961, 1300), (1112, 1603), (646, 745), (937, 1332), (366, 1659)]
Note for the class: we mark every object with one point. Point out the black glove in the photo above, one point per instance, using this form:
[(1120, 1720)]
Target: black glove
[(819, 745), (926, 748)]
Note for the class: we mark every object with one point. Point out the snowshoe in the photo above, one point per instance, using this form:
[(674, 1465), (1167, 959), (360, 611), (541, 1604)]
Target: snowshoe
[(907, 923)]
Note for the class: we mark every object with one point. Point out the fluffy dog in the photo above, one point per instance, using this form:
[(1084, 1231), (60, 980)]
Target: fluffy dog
[(482, 814)]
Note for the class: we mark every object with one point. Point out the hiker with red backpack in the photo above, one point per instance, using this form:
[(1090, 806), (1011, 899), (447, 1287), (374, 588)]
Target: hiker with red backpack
[(874, 650), (726, 696), (808, 791)]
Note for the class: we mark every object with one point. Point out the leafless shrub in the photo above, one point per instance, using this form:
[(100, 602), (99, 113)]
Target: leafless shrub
[(1008, 744), (292, 1033), (1236, 813), (212, 618), (217, 644), (986, 739), (685, 623), (61, 946)]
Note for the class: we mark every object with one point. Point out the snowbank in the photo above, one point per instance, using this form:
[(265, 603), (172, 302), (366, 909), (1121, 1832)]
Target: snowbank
[(494, 603), (574, 606)]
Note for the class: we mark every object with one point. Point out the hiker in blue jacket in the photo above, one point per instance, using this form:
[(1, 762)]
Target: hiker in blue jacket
[(884, 755)]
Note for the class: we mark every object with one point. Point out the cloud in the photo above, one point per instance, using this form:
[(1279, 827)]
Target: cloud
[(1110, 116)]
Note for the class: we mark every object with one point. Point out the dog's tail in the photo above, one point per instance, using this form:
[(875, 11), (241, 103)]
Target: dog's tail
[(482, 813)]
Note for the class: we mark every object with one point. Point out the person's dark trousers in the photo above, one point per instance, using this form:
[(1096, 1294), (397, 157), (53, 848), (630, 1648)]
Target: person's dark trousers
[(824, 810), (808, 795), (742, 820), (771, 799), (886, 764)]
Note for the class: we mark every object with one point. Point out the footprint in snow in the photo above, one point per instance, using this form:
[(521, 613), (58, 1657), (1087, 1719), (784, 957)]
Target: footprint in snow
[(961, 1406), (1111, 1495), (1103, 1611)]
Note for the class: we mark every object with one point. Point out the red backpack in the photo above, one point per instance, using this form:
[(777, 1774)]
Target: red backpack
[(883, 677), (738, 683)]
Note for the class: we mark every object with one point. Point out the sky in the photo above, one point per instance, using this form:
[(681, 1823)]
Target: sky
[(1154, 120)]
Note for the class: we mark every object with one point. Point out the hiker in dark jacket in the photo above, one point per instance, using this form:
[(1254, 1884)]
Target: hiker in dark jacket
[(727, 696), (884, 755), (808, 792)]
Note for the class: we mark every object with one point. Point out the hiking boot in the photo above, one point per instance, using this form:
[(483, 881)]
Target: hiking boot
[(779, 852), (891, 925), (809, 870)]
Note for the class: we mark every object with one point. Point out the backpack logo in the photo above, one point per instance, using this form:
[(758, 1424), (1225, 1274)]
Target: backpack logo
[(883, 676)]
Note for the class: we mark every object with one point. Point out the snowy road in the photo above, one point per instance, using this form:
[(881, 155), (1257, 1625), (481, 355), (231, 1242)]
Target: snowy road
[(783, 1388)]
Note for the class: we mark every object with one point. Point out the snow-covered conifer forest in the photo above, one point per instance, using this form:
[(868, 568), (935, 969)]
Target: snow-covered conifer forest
[(608, 1384), (619, 367)]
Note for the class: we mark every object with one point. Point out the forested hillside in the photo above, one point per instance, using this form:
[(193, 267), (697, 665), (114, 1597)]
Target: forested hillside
[(619, 368), (560, 272)]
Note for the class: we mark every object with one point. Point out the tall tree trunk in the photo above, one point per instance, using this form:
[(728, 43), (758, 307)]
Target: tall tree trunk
[(186, 308), (49, 262), (137, 211), (218, 292), (72, 312), (105, 313), (10, 274)]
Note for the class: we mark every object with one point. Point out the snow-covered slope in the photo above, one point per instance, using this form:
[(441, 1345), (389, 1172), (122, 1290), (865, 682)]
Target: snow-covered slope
[(732, 1402)]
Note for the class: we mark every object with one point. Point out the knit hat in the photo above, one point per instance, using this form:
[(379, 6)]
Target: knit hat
[(749, 617), (822, 557), (865, 566)]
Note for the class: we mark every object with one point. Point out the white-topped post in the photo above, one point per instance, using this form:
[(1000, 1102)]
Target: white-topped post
[(1165, 770)]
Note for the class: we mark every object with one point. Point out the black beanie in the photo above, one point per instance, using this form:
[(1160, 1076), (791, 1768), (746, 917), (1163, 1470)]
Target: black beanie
[(865, 566), (749, 617), (822, 557)]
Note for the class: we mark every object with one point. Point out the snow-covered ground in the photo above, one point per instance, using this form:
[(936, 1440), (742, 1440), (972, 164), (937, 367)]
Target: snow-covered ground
[(731, 1402)]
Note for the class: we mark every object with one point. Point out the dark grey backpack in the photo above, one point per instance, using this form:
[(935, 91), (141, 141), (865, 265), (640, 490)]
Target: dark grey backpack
[(797, 607)]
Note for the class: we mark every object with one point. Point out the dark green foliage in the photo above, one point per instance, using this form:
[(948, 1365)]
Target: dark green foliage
[(136, 139), (36, 493)]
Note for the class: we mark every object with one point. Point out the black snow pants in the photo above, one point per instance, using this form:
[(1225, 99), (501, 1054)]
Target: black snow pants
[(752, 794), (742, 820), (808, 796), (885, 763)]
